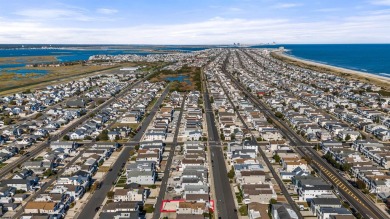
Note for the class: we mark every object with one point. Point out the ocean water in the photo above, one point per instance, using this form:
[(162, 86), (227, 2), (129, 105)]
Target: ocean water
[(369, 58)]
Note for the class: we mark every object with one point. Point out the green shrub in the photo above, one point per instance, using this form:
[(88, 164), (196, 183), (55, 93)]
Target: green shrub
[(243, 210)]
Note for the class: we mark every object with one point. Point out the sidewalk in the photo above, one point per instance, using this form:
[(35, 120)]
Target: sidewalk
[(99, 176)]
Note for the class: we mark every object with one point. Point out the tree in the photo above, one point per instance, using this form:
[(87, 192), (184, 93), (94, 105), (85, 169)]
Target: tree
[(269, 120), (104, 136), (345, 204), (273, 201), (358, 215), (110, 194), (48, 173), (100, 101), (317, 147), (66, 138), (233, 136), (7, 121), (243, 210), (360, 184), (388, 203), (117, 138), (328, 156), (346, 167), (38, 115), (348, 137), (136, 147), (222, 137), (231, 173), (279, 115), (20, 191), (308, 159), (276, 158), (132, 152)]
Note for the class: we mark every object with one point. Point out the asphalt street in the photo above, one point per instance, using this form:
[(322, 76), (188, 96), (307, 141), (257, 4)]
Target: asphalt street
[(225, 204), (98, 197), (254, 142), (42, 145), (354, 197), (163, 187)]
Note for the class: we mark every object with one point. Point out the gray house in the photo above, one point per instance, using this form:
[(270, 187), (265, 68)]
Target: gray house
[(283, 211), (317, 203)]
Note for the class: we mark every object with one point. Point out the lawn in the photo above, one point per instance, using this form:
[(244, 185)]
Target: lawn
[(121, 181), (133, 126), (148, 208), (2, 165), (243, 210), (151, 104)]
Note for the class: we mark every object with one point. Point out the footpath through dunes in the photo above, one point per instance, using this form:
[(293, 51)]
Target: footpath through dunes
[(377, 80)]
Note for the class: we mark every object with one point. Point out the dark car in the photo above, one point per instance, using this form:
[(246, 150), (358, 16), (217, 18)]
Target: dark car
[(97, 208)]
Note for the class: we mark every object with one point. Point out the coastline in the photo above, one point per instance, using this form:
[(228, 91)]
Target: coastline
[(365, 77)]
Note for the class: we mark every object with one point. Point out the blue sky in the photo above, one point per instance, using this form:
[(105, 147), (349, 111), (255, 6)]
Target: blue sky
[(194, 21)]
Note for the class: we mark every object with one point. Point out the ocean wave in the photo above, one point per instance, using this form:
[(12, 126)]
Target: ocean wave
[(385, 74)]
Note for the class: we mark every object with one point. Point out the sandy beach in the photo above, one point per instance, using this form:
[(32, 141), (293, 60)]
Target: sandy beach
[(378, 80)]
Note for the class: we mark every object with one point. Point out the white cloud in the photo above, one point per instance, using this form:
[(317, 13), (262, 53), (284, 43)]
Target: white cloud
[(367, 28), (287, 5), (234, 9), (54, 14), (328, 9), (380, 2), (106, 11)]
